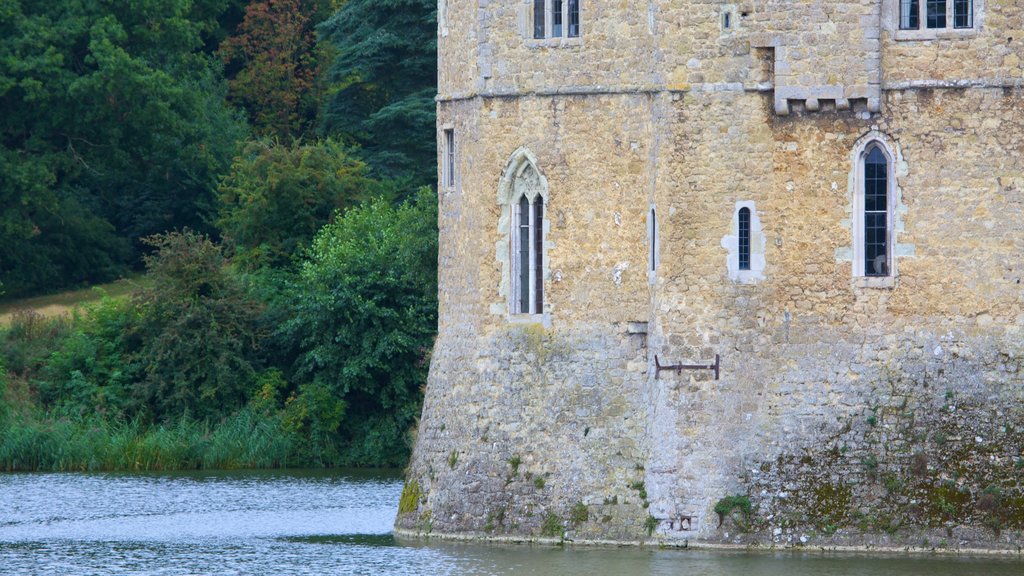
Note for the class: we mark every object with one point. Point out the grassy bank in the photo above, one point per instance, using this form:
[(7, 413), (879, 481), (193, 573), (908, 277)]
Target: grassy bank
[(63, 445), (61, 303)]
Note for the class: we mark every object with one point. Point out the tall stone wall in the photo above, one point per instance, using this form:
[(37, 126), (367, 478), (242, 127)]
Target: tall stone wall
[(847, 412)]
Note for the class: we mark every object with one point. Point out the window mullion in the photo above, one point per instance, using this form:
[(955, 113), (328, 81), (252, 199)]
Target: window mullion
[(548, 19), (565, 18)]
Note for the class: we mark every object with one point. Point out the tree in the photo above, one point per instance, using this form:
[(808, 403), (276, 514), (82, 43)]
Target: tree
[(277, 196), (384, 79), (274, 65), (366, 316), (198, 332), (114, 127)]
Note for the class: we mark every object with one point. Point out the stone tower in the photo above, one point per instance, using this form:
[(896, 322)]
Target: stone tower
[(826, 195)]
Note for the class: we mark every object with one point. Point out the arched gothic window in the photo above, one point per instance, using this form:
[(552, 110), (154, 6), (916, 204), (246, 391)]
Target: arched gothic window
[(522, 192), (873, 232)]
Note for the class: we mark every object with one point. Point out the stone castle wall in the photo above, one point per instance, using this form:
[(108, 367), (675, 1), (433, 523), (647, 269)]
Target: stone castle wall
[(847, 413)]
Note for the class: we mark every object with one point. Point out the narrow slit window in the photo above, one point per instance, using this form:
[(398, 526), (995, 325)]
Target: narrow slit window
[(910, 11), (963, 13), (556, 18), (936, 17), (538, 19), (574, 18), (744, 238), (654, 241), (726, 20), (876, 213), (449, 158), (538, 251), (524, 256)]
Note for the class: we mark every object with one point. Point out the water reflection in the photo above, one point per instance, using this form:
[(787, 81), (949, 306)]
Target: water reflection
[(324, 523)]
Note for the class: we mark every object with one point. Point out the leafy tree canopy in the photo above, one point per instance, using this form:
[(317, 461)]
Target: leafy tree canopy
[(274, 64), (384, 82), (278, 195), (114, 128)]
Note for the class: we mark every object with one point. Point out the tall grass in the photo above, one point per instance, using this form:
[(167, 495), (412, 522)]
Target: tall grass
[(41, 443)]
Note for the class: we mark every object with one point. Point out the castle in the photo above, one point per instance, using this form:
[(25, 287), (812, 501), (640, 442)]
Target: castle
[(826, 196)]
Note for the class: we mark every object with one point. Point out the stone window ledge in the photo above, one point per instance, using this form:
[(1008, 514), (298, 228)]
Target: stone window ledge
[(934, 34), (874, 282), (543, 319), (554, 42)]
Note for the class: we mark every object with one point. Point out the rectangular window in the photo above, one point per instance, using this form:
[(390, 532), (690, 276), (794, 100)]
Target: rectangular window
[(936, 13), (910, 11), (963, 13), (574, 18), (556, 18), (449, 159), (538, 19)]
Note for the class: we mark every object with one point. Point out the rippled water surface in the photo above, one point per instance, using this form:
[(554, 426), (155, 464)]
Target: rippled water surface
[(324, 523)]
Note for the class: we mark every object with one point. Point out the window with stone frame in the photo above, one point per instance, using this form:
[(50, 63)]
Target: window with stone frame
[(873, 229), (448, 169), (555, 19), (743, 238), (936, 14)]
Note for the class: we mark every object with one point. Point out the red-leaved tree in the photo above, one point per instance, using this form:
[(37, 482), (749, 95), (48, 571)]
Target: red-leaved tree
[(273, 63)]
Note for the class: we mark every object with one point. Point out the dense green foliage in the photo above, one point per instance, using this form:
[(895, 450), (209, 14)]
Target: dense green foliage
[(384, 81), (289, 304), (277, 196), (114, 127), (197, 331), (365, 317)]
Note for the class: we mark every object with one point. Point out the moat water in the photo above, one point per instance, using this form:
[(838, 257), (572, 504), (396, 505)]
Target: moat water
[(297, 523)]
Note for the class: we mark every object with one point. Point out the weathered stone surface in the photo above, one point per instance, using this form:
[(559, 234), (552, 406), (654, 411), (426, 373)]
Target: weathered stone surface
[(847, 412)]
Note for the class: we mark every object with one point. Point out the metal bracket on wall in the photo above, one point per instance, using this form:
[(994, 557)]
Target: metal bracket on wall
[(678, 368)]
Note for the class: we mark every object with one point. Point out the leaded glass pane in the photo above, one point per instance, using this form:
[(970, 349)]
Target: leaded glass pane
[(524, 256), (574, 18), (538, 251), (910, 11), (963, 14), (538, 19), (876, 213), (744, 238), (936, 17)]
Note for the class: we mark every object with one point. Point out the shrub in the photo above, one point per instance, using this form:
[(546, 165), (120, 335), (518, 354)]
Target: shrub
[(728, 504), (198, 331), (365, 315)]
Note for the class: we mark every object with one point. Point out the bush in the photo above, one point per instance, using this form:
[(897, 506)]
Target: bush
[(365, 316), (90, 372), (198, 332), (728, 504)]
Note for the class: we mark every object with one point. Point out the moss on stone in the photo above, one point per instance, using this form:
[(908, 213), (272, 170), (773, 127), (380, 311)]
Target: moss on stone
[(410, 499)]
